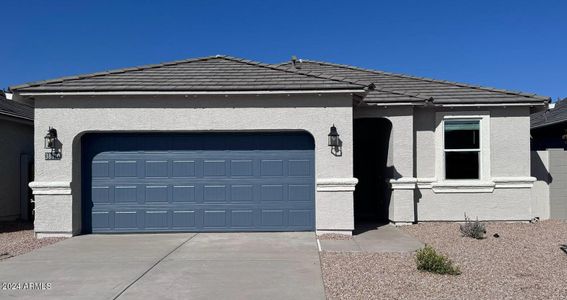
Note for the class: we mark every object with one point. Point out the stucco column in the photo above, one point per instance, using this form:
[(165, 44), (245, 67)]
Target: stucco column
[(53, 208), (401, 161)]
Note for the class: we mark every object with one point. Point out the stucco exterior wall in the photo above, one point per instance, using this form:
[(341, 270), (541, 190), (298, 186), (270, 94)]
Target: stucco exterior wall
[(400, 158), (59, 212), (16, 139), (499, 205), (419, 191), (549, 195), (509, 140), (540, 191), (504, 193), (557, 190)]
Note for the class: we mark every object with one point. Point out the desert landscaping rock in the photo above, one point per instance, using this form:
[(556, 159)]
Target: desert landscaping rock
[(17, 238), (525, 262)]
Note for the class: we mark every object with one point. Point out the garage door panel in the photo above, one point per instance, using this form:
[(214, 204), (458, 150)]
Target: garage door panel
[(156, 168), (214, 193), (249, 185), (126, 220), (299, 192), (299, 167), (156, 194), (126, 168), (183, 168), (272, 192), (214, 168), (299, 217), (272, 167), (215, 218), (242, 193), (156, 219), (241, 167), (101, 169), (184, 193), (101, 220), (183, 219), (101, 194), (272, 217), (125, 194), (242, 218)]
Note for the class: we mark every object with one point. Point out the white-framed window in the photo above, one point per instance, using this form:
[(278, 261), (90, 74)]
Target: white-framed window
[(463, 146)]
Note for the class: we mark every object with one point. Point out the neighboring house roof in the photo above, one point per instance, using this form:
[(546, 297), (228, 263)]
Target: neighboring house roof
[(555, 115), (15, 109), (214, 73), (414, 89)]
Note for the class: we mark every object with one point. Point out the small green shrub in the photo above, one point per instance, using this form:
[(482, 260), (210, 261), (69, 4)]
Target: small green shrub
[(429, 260), (473, 229)]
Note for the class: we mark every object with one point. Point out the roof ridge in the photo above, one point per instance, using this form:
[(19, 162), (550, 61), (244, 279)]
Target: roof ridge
[(114, 71), (429, 79), (368, 84)]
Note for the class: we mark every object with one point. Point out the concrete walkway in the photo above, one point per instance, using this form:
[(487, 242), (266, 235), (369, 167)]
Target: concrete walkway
[(171, 266), (384, 238)]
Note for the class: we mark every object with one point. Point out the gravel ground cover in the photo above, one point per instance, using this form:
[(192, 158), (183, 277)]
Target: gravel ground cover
[(17, 238), (525, 262), (334, 236)]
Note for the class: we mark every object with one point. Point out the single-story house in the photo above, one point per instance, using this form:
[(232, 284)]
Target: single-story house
[(16, 159), (226, 144), (549, 127)]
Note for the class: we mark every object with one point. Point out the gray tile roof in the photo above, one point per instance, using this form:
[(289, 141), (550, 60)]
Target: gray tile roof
[(214, 73), (417, 89), (551, 116), (15, 109)]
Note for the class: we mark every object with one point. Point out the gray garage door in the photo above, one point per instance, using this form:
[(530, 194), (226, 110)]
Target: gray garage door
[(198, 182)]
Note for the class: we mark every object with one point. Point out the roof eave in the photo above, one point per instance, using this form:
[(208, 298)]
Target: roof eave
[(191, 93), (475, 104)]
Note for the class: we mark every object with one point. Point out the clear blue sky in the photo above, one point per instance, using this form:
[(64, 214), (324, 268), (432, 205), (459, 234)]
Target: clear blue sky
[(517, 45)]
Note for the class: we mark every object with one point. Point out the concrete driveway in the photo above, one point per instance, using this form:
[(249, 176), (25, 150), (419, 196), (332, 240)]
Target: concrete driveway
[(170, 266)]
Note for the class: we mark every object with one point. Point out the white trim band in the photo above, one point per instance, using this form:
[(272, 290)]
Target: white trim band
[(336, 184), (464, 186), (475, 186), (514, 182), (425, 182), (404, 183), (51, 187)]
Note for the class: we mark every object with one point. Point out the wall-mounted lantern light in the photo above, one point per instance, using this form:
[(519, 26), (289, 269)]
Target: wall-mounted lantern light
[(50, 138), (334, 141), (52, 143), (333, 137), (564, 137)]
